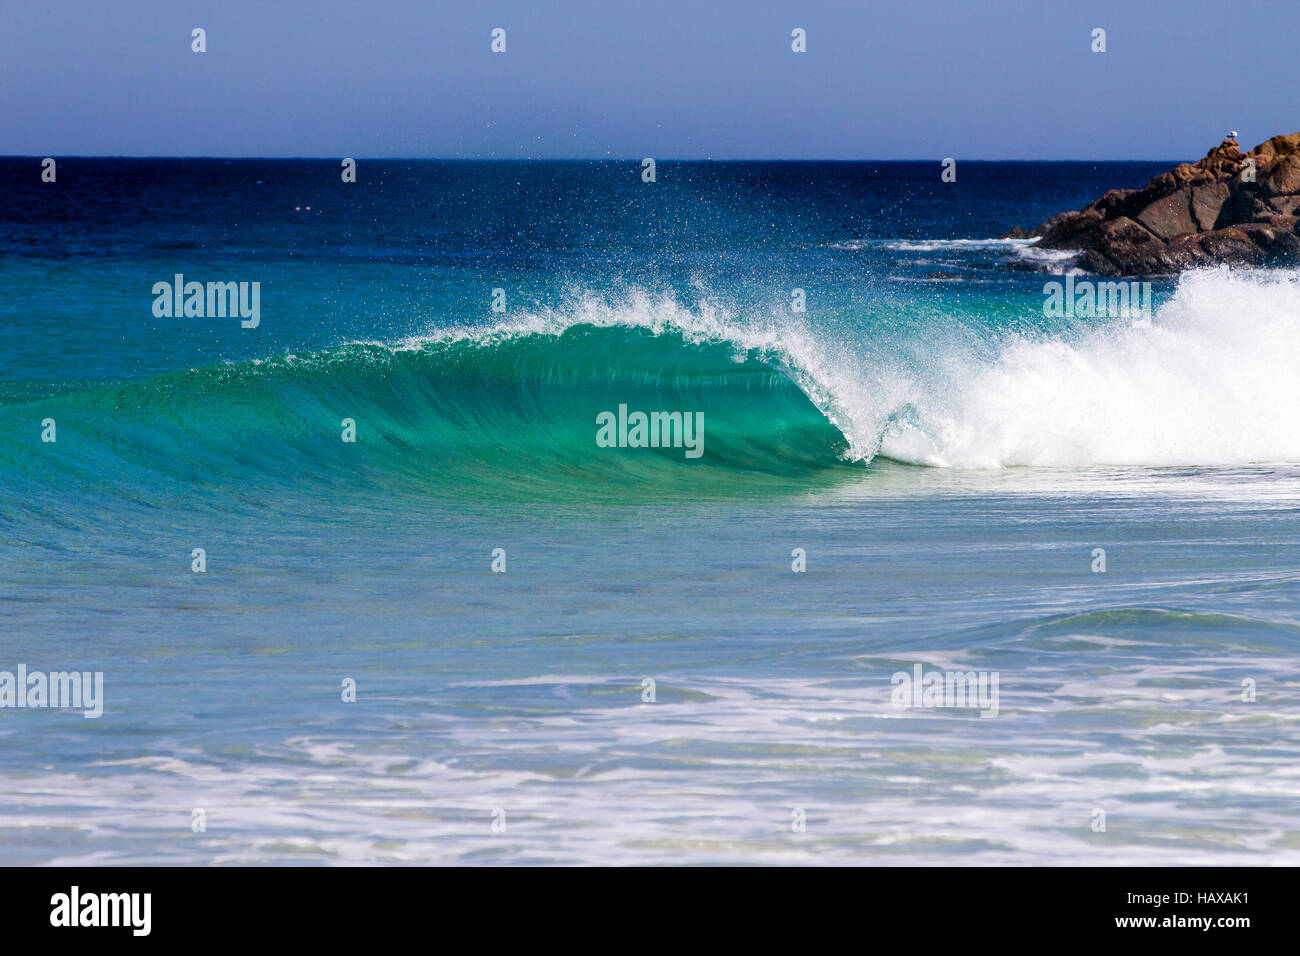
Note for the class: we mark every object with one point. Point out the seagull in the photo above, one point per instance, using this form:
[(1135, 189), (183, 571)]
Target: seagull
[(1233, 134)]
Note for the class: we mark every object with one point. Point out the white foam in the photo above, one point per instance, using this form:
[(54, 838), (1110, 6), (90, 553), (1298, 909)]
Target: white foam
[(940, 245), (1059, 261), (1212, 379), (712, 777)]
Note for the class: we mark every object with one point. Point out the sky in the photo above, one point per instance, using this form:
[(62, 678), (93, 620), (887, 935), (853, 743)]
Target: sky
[(703, 79)]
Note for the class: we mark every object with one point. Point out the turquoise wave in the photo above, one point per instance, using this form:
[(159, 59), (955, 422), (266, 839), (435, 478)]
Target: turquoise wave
[(502, 412)]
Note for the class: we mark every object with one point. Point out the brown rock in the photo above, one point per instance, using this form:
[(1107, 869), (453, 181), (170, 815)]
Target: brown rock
[(1128, 232), (1276, 239), (1284, 176), (1066, 229), (1195, 214), (1286, 205), (1170, 216), (1245, 204), (1231, 245), (1207, 202), (1222, 161), (1282, 145)]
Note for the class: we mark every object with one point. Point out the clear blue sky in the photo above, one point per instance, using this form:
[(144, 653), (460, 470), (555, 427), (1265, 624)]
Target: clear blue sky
[(687, 79)]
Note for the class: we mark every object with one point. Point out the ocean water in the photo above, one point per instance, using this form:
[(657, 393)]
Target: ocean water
[(649, 680)]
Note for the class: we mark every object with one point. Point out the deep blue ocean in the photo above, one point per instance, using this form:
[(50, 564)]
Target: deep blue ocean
[(390, 476)]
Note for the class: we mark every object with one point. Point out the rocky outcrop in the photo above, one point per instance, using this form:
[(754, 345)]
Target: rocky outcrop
[(1230, 207)]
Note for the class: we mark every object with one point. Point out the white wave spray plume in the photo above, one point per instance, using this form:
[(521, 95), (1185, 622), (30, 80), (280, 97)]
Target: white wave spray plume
[(1212, 379)]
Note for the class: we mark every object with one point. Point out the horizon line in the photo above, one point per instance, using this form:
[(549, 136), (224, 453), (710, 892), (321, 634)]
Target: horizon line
[(568, 159)]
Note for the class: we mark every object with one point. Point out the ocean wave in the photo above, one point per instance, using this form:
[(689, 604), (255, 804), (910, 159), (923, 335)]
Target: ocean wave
[(514, 408), (1210, 380)]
